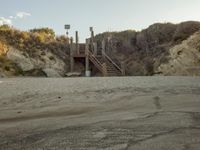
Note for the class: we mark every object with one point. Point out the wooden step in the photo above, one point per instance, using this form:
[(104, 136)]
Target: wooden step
[(106, 66)]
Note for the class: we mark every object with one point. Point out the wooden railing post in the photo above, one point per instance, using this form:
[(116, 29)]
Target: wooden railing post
[(103, 45), (92, 39), (77, 43), (105, 73), (123, 68), (87, 62), (95, 48), (71, 55)]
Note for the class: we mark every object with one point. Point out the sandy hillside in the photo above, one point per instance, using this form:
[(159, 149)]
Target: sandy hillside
[(184, 58), (142, 113)]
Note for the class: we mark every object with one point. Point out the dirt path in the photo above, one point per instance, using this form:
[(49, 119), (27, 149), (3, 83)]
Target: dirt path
[(151, 113)]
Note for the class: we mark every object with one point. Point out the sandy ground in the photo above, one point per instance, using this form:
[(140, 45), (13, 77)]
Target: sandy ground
[(131, 113)]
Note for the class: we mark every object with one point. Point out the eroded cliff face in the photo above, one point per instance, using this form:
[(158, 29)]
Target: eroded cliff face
[(146, 52), (164, 49), (184, 59), (7, 67), (32, 54), (42, 63)]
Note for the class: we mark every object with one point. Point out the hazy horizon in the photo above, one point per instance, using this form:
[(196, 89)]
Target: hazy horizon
[(103, 15)]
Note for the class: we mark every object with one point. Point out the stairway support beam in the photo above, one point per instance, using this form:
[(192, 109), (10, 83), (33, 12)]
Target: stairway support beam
[(95, 48), (103, 48), (92, 39), (123, 68), (87, 62), (104, 70), (77, 43), (71, 55)]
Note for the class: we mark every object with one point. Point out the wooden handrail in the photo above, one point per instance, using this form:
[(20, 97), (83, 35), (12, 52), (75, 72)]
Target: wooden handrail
[(103, 66), (106, 56), (90, 54), (96, 64), (95, 60)]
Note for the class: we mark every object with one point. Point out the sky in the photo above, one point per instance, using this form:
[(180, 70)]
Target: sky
[(103, 15)]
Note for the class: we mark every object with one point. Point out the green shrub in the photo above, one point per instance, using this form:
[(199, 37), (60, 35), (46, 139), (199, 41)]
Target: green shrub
[(5, 27), (44, 31), (62, 39)]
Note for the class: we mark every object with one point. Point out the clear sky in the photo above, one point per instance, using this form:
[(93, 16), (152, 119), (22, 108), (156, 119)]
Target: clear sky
[(103, 15)]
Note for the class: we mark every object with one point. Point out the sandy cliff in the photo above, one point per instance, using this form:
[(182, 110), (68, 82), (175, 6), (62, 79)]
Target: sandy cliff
[(184, 58)]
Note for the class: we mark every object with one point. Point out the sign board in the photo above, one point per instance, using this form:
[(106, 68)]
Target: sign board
[(91, 29), (67, 27)]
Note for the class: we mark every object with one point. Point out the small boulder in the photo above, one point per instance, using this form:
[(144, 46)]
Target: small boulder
[(2, 75), (51, 73), (73, 74)]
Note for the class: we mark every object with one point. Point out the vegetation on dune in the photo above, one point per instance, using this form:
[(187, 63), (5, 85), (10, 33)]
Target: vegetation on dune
[(46, 31), (33, 41), (123, 35), (43, 34), (184, 30)]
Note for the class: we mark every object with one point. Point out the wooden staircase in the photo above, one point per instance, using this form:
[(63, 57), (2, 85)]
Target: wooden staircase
[(105, 64)]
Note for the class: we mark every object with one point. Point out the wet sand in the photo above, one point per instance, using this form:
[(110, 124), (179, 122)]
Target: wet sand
[(140, 113)]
